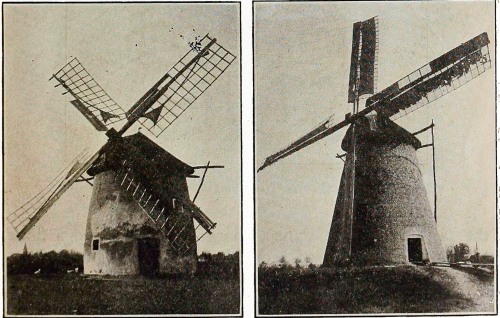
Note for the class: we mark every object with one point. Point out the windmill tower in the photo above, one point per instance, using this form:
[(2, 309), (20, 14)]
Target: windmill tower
[(382, 214), (141, 218)]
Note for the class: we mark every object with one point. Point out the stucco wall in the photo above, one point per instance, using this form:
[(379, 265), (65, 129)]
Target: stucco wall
[(117, 221)]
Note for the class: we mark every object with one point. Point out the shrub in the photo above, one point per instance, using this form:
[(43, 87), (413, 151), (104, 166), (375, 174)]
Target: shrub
[(219, 265), (48, 263)]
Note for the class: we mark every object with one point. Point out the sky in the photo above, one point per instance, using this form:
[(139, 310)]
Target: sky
[(302, 58), (126, 48)]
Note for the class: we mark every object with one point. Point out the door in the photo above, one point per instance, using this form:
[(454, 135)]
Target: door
[(415, 250), (149, 256)]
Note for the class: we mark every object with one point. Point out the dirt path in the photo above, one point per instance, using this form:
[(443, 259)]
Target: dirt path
[(478, 287)]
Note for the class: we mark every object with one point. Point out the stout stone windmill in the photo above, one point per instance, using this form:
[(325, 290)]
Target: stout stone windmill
[(141, 218), (382, 214)]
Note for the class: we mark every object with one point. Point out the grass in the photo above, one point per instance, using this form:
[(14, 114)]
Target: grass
[(403, 289), (76, 294)]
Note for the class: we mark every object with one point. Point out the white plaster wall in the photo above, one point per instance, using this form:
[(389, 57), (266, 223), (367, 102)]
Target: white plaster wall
[(118, 221)]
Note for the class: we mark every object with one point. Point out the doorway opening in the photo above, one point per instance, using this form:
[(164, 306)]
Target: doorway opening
[(149, 256), (415, 253)]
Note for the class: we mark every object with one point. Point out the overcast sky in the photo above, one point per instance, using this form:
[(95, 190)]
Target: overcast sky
[(126, 48), (302, 59)]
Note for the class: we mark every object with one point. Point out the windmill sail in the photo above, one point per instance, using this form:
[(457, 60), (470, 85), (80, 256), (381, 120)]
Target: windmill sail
[(362, 80), (435, 79), (190, 77), (90, 99), (91, 117), (316, 134), (26, 217), (170, 219), (364, 58)]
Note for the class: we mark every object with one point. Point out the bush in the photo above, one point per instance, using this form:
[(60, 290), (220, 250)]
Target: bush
[(219, 265), (48, 263)]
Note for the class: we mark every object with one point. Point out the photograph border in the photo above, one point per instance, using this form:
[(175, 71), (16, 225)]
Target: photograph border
[(497, 136), (241, 161)]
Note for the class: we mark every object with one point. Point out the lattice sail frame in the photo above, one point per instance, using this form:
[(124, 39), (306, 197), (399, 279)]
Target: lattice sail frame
[(92, 101), (170, 223), (439, 77), (426, 85), (363, 75), (24, 218), (189, 85)]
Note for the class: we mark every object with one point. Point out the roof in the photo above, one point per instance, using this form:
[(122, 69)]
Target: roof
[(143, 154), (156, 155), (376, 129)]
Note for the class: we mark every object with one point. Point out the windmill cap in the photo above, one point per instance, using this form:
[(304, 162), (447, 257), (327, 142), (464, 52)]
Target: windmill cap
[(375, 130), (144, 152)]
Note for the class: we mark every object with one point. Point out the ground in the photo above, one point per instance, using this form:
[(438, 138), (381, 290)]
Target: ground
[(402, 289), (78, 294)]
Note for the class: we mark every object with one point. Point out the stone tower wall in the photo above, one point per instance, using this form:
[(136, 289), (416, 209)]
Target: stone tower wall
[(390, 202), (391, 205), (339, 239)]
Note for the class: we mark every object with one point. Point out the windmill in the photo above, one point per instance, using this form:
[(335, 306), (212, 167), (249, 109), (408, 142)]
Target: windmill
[(382, 214), (141, 218)]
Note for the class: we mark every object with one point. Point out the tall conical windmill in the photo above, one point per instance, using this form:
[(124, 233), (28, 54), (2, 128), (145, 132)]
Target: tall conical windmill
[(141, 217), (382, 214)]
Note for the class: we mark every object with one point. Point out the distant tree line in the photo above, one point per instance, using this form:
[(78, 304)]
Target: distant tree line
[(461, 253), (284, 264), (219, 265), (44, 263)]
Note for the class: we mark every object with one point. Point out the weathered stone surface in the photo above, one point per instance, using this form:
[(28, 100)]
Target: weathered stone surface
[(118, 222), (390, 201)]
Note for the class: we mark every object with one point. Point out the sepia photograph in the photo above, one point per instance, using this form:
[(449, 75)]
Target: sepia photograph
[(375, 157), (122, 159)]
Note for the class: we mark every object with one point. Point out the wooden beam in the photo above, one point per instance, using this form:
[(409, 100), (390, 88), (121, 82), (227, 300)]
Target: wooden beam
[(201, 182), (423, 129), (434, 171), (208, 167), (341, 156)]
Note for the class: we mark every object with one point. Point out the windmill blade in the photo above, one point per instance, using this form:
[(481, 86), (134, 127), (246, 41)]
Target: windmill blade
[(90, 99), (171, 216), (199, 216), (435, 79), (26, 217), (325, 129), (190, 77), (364, 59)]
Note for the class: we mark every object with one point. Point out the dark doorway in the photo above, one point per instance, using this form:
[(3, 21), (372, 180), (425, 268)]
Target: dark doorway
[(149, 256), (415, 250)]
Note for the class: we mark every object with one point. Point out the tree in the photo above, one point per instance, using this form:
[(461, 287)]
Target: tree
[(297, 262), (487, 259), (460, 251), (283, 261)]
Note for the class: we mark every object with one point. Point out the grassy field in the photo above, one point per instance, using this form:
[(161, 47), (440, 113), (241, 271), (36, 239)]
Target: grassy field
[(76, 294), (405, 289)]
